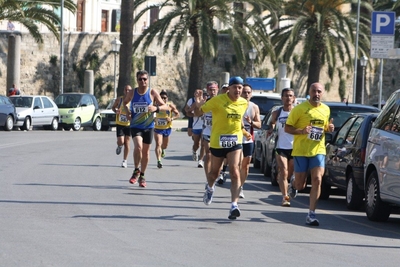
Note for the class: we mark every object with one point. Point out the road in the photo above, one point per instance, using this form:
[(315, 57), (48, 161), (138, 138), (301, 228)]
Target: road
[(65, 201)]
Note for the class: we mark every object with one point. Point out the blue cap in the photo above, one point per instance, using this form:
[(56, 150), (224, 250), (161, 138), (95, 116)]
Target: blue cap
[(235, 80)]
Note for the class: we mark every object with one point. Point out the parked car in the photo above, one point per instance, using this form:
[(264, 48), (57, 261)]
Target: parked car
[(382, 166), (340, 112), (345, 158), (8, 113), (78, 110), (265, 101), (35, 110), (108, 116)]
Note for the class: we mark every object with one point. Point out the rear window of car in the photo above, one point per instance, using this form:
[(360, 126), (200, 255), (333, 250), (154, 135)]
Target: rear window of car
[(342, 113), (265, 103)]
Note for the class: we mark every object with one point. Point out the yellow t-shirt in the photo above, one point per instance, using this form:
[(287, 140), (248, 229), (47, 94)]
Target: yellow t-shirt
[(227, 117), (302, 115), (161, 119), (122, 118)]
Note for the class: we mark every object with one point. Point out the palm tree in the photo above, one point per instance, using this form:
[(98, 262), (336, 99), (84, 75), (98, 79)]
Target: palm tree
[(32, 13), (196, 17), (324, 31)]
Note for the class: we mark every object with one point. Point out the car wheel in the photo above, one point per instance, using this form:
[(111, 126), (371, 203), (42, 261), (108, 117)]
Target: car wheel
[(77, 124), (274, 172), (376, 209), (27, 124), (325, 189), (97, 124), (54, 124), (105, 128), (354, 196), (9, 123), (267, 168)]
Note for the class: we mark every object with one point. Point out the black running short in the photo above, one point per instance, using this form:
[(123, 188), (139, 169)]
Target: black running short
[(146, 134)]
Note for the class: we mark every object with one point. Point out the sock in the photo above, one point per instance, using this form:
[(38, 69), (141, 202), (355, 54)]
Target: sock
[(141, 173), (234, 204), (136, 169), (311, 212), (210, 188)]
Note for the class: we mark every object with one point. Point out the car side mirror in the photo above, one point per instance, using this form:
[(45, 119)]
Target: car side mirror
[(328, 138)]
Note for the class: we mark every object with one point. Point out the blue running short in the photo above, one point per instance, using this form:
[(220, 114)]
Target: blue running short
[(303, 164), (248, 149), (163, 132)]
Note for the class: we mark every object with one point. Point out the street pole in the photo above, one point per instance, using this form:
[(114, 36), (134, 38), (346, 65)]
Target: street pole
[(362, 86), (356, 53), (115, 75), (62, 49)]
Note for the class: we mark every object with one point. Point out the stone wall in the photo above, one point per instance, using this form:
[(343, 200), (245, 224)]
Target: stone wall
[(40, 76)]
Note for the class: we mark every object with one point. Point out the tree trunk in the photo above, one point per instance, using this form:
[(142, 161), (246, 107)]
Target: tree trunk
[(196, 68), (314, 68), (126, 37)]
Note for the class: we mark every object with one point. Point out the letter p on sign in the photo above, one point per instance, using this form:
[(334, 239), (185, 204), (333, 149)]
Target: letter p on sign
[(383, 23)]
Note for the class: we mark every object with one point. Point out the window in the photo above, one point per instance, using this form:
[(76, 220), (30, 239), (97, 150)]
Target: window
[(154, 12), (37, 103), (341, 135), (351, 136), (388, 113), (47, 103)]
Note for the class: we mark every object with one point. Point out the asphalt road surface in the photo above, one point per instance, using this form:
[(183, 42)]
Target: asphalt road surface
[(65, 201)]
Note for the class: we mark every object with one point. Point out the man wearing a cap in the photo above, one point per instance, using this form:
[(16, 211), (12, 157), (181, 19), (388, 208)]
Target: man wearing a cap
[(226, 139)]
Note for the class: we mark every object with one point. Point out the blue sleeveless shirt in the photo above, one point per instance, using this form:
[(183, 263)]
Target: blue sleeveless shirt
[(142, 118)]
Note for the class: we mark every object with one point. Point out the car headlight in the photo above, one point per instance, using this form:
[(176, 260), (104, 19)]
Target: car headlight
[(71, 111)]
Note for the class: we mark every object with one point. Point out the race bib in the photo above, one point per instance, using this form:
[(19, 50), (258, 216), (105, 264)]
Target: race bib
[(123, 118), (162, 122), (140, 107), (316, 133), (227, 140)]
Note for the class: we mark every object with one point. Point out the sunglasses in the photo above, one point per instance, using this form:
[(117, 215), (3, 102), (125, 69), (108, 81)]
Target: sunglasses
[(142, 79), (164, 97)]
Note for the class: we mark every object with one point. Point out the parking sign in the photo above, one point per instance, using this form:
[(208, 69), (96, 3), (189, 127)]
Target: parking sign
[(382, 33)]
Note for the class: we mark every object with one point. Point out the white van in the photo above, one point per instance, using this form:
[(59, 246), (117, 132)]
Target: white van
[(382, 164)]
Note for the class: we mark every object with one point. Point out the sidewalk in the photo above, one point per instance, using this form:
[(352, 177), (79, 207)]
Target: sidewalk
[(180, 125)]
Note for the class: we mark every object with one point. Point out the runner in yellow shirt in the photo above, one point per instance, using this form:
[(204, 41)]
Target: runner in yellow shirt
[(162, 127), (225, 139)]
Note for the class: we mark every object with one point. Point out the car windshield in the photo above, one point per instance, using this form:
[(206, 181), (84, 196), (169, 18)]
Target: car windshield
[(109, 106), (68, 101), (22, 102), (265, 103)]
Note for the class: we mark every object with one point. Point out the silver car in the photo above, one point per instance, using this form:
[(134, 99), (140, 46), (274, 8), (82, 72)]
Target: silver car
[(35, 110)]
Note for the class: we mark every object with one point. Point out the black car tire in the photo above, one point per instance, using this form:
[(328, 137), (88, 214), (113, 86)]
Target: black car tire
[(54, 125), (27, 124), (97, 124), (77, 124), (376, 209), (105, 127), (325, 189), (274, 172), (354, 196), (8, 126), (67, 128)]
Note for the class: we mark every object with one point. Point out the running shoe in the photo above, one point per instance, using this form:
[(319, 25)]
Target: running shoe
[(234, 213), (220, 179), (194, 156), (241, 194), (124, 164), (135, 176), (200, 164), (142, 181), (208, 195), (118, 150), (286, 201), (163, 153), (159, 164), (291, 190), (311, 220)]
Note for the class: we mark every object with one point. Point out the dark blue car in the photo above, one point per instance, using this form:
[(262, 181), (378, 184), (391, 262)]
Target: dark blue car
[(7, 113), (345, 157)]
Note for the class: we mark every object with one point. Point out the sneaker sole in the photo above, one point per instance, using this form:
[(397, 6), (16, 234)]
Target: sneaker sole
[(234, 214), (313, 223)]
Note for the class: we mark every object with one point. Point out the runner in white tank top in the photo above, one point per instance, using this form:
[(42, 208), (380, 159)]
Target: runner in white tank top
[(284, 144), (251, 120)]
